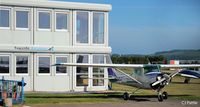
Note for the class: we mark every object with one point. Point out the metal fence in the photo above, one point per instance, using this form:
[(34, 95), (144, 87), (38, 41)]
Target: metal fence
[(12, 89)]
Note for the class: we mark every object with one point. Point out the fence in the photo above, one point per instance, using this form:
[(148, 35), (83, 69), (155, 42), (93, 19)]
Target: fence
[(12, 89)]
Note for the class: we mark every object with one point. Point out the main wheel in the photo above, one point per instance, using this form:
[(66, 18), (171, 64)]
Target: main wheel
[(126, 96), (165, 95), (160, 98)]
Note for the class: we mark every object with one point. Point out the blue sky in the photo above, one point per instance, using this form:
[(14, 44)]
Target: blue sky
[(149, 26)]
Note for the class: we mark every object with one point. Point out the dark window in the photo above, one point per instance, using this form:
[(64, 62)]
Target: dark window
[(22, 64), (4, 64), (61, 69), (44, 65)]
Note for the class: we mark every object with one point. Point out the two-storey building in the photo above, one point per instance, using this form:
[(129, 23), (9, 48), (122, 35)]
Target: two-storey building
[(35, 34)]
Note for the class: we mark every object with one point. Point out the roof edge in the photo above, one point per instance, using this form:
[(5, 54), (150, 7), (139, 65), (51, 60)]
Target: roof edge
[(57, 4)]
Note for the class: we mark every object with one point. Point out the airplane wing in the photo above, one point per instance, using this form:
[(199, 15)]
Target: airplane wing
[(126, 65), (101, 65)]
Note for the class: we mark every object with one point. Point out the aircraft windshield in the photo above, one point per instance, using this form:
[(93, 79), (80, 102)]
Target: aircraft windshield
[(151, 69)]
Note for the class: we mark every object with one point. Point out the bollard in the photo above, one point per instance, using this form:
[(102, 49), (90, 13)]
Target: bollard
[(7, 102)]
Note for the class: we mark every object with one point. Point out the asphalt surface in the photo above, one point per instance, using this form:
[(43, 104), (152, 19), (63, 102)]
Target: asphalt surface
[(168, 103)]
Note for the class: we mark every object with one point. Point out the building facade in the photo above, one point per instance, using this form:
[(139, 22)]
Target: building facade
[(34, 34)]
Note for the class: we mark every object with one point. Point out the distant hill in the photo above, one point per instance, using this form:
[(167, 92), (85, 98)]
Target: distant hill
[(180, 54)]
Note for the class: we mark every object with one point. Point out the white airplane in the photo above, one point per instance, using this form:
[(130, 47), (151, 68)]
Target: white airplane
[(143, 77)]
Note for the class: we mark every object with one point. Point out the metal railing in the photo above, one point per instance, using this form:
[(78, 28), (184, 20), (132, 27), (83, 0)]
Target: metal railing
[(12, 89)]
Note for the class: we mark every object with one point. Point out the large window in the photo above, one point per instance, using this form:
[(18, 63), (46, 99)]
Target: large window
[(22, 64), (4, 64), (98, 28), (44, 65), (82, 72), (44, 20), (4, 17), (22, 19), (82, 27), (98, 73), (61, 21), (61, 69)]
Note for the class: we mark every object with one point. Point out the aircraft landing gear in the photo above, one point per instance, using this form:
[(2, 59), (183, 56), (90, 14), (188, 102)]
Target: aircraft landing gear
[(126, 96), (165, 95), (162, 96)]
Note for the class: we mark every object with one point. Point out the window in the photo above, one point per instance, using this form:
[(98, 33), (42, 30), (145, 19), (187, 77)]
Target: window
[(98, 73), (82, 27), (98, 28), (4, 64), (4, 18), (61, 69), (22, 19), (61, 21), (44, 65), (82, 72), (22, 64), (44, 20)]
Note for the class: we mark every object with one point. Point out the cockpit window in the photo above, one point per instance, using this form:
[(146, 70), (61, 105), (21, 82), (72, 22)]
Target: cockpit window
[(151, 69), (138, 71)]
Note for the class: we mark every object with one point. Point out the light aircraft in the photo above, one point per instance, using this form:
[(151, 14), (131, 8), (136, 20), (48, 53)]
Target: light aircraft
[(143, 77)]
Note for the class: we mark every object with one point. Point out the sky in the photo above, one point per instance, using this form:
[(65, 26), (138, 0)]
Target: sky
[(149, 26)]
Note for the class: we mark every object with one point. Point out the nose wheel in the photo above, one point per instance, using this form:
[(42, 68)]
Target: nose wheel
[(162, 96)]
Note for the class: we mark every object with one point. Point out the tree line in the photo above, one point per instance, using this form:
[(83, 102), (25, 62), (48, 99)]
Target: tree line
[(127, 59)]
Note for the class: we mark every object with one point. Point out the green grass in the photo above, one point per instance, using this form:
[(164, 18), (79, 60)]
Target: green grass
[(68, 98)]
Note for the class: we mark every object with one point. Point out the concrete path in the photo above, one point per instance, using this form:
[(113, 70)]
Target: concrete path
[(168, 103)]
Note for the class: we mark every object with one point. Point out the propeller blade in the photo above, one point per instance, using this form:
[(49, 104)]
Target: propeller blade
[(159, 81)]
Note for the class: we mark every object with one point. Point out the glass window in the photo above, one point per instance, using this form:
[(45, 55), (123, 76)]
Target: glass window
[(21, 19), (4, 18), (98, 28), (61, 21), (44, 64), (4, 64), (82, 27), (22, 64), (98, 73), (61, 69), (82, 72), (44, 20)]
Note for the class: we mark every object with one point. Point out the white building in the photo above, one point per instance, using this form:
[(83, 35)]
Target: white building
[(34, 34)]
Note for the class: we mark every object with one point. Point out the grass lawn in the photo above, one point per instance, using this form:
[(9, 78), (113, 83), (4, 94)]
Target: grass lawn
[(69, 98)]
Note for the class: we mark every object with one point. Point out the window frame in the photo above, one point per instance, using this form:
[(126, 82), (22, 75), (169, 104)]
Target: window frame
[(50, 68), (105, 27), (10, 64), (75, 28), (15, 60), (88, 73), (55, 20), (9, 23), (104, 72), (15, 17), (50, 22), (67, 68)]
